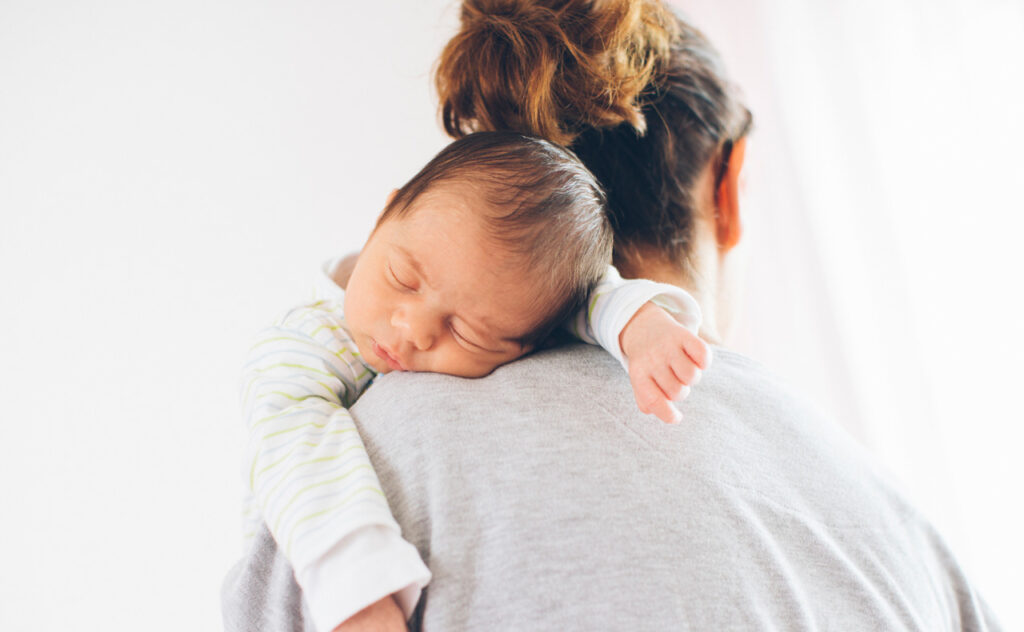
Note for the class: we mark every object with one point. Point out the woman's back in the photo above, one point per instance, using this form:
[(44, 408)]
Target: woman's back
[(541, 499)]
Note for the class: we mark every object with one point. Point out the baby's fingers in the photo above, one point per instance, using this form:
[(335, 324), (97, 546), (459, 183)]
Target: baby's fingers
[(697, 349), (685, 370), (666, 411), (652, 400), (669, 385)]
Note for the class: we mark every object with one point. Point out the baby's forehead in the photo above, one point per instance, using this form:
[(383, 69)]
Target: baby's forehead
[(449, 244)]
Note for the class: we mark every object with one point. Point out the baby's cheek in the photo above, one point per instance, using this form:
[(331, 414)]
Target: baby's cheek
[(489, 365), (474, 366), (463, 363), (477, 369)]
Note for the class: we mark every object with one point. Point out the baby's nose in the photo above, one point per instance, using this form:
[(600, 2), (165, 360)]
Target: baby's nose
[(422, 338), (417, 327)]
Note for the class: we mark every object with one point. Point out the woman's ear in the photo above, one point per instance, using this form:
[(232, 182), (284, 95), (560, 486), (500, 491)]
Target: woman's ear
[(728, 227)]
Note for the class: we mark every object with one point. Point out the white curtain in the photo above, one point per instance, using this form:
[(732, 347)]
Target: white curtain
[(884, 241)]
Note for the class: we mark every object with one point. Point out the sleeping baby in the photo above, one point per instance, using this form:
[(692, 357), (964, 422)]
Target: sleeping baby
[(497, 243)]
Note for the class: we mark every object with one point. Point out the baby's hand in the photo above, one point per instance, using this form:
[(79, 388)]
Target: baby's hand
[(664, 359)]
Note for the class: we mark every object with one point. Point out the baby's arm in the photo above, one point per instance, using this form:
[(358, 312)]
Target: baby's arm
[(651, 328), (309, 473)]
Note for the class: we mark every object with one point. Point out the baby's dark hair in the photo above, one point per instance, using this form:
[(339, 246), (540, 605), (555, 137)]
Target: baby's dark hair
[(538, 203)]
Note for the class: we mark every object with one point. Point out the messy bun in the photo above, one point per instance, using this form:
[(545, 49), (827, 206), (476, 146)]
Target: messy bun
[(551, 68), (638, 94)]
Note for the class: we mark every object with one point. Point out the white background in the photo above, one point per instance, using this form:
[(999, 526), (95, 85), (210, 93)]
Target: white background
[(172, 173)]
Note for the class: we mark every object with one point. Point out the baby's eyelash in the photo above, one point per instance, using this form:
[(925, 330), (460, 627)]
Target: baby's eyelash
[(455, 332), (394, 276), (475, 346)]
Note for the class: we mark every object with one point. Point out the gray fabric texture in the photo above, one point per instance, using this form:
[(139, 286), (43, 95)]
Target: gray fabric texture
[(541, 499), (259, 594)]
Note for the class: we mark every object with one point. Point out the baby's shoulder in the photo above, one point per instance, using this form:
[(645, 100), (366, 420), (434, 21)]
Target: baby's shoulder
[(322, 320)]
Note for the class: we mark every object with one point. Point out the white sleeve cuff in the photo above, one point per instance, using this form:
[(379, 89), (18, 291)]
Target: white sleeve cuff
[(363, 568)]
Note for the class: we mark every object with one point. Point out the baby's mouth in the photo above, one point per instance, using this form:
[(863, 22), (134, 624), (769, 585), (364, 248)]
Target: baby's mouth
[(393, 363)]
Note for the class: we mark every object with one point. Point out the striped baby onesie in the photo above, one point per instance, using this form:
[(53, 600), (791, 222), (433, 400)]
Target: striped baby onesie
[(308, 477)]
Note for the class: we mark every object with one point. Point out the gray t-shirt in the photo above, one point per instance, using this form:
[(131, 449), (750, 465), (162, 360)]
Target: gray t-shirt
[(542, 499)]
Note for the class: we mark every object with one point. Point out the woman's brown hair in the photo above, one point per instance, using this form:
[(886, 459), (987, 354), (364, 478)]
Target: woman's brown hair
[(638, 94)]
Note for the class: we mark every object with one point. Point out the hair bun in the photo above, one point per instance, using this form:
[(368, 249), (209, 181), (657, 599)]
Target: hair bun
[(550, 68)]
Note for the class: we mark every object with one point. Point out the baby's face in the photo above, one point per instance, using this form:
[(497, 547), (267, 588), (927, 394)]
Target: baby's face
[(431, 293)]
